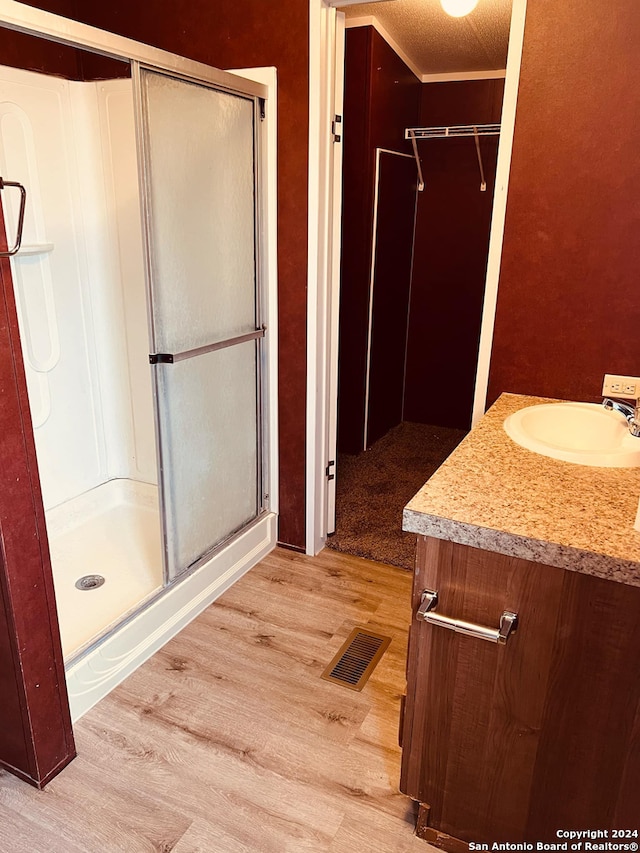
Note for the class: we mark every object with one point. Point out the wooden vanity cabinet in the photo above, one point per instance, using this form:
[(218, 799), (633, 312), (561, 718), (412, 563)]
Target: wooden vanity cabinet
[(515, 742)]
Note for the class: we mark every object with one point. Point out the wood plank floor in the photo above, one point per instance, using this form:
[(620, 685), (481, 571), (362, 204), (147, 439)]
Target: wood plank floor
[(228, 740)]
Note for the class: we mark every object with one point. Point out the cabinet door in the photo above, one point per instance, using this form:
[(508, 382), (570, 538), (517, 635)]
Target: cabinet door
[(513, 742), (474, 708)]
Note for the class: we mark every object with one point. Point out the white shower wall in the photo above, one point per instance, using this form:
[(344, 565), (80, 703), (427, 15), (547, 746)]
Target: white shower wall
[(81, 303)]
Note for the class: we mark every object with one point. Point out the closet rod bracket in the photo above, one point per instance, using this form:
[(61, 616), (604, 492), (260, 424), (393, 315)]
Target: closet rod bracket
[(483, 183), (411, 135)]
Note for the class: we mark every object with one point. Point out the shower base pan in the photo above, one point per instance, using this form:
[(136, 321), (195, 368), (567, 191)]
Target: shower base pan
[(108, 630), (111, 532)]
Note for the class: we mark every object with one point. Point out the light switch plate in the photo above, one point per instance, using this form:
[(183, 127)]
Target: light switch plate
[(621, 386)]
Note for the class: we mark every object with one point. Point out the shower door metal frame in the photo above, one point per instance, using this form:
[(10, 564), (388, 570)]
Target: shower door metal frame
[(26, 19), (159, 619), (144, 175)]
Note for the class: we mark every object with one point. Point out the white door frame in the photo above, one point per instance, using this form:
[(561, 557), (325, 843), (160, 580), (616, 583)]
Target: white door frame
[(326, 74), (326, 68), (508, 122)]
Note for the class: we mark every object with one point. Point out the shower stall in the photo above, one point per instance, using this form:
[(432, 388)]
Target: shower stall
[(144, 293)]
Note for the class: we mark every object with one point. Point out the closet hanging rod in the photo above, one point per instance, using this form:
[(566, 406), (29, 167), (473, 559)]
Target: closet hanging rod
[(452, 131)]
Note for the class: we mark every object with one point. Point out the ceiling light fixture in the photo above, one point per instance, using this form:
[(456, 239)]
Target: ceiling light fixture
[(458, 8)]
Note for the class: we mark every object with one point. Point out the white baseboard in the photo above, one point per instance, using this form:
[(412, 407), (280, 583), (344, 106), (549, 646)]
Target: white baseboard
[(118, 655)]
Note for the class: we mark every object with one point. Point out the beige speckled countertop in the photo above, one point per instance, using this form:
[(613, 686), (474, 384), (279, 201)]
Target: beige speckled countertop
[(493, 494)]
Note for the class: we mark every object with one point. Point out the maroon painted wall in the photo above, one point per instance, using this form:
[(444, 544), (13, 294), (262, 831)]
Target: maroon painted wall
[(30, 53), (23, 51), (381, 100), (18, 50), (236, 34), (450, 257), (569, 293), (36, 740)]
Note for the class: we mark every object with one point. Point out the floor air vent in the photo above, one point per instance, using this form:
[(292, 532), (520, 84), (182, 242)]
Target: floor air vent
[(356, 659)]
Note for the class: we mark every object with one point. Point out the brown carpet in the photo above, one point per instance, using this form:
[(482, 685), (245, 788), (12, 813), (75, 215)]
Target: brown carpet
[(373, 488)]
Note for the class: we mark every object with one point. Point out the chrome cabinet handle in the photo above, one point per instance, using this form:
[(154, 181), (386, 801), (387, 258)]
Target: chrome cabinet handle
[(428, 602), (23, 202)]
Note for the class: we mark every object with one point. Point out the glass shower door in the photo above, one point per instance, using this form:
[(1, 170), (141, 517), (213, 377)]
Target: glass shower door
[(199, 148)]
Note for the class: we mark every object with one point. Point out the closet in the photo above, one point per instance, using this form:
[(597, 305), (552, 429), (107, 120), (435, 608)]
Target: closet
[(413, 262)]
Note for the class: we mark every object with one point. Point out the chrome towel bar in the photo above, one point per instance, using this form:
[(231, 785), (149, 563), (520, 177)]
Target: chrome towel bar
[(23, 202), (500, 635)]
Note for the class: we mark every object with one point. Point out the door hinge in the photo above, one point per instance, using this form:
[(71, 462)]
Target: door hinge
[(336, 129), (328, 472), (263, 109)]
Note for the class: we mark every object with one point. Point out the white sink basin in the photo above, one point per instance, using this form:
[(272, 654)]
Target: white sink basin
[(584, 433)]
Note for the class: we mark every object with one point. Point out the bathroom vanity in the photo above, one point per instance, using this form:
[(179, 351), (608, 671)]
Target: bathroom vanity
[(532, 726)]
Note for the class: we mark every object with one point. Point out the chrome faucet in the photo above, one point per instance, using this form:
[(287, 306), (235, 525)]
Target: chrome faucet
[(631, 413)]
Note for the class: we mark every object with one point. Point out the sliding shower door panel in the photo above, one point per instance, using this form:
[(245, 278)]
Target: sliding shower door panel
[(201, 187), (209, 429), (200, 162)]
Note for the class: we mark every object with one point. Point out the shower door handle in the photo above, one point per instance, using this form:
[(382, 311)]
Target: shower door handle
[(171, 357), (23, 203)]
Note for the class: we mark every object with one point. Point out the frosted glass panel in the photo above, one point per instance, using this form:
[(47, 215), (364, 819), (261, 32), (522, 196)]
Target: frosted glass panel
[(200, 151), (208, 441)]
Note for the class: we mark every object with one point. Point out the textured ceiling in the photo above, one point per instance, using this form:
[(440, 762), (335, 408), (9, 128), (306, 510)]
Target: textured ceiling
[(437, 43)]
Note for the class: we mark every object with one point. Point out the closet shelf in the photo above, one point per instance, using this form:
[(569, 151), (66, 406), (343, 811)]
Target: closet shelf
[(452, 132), (34, 249)]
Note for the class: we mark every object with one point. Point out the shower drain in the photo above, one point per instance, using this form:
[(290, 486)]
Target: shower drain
[(89, 582)]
